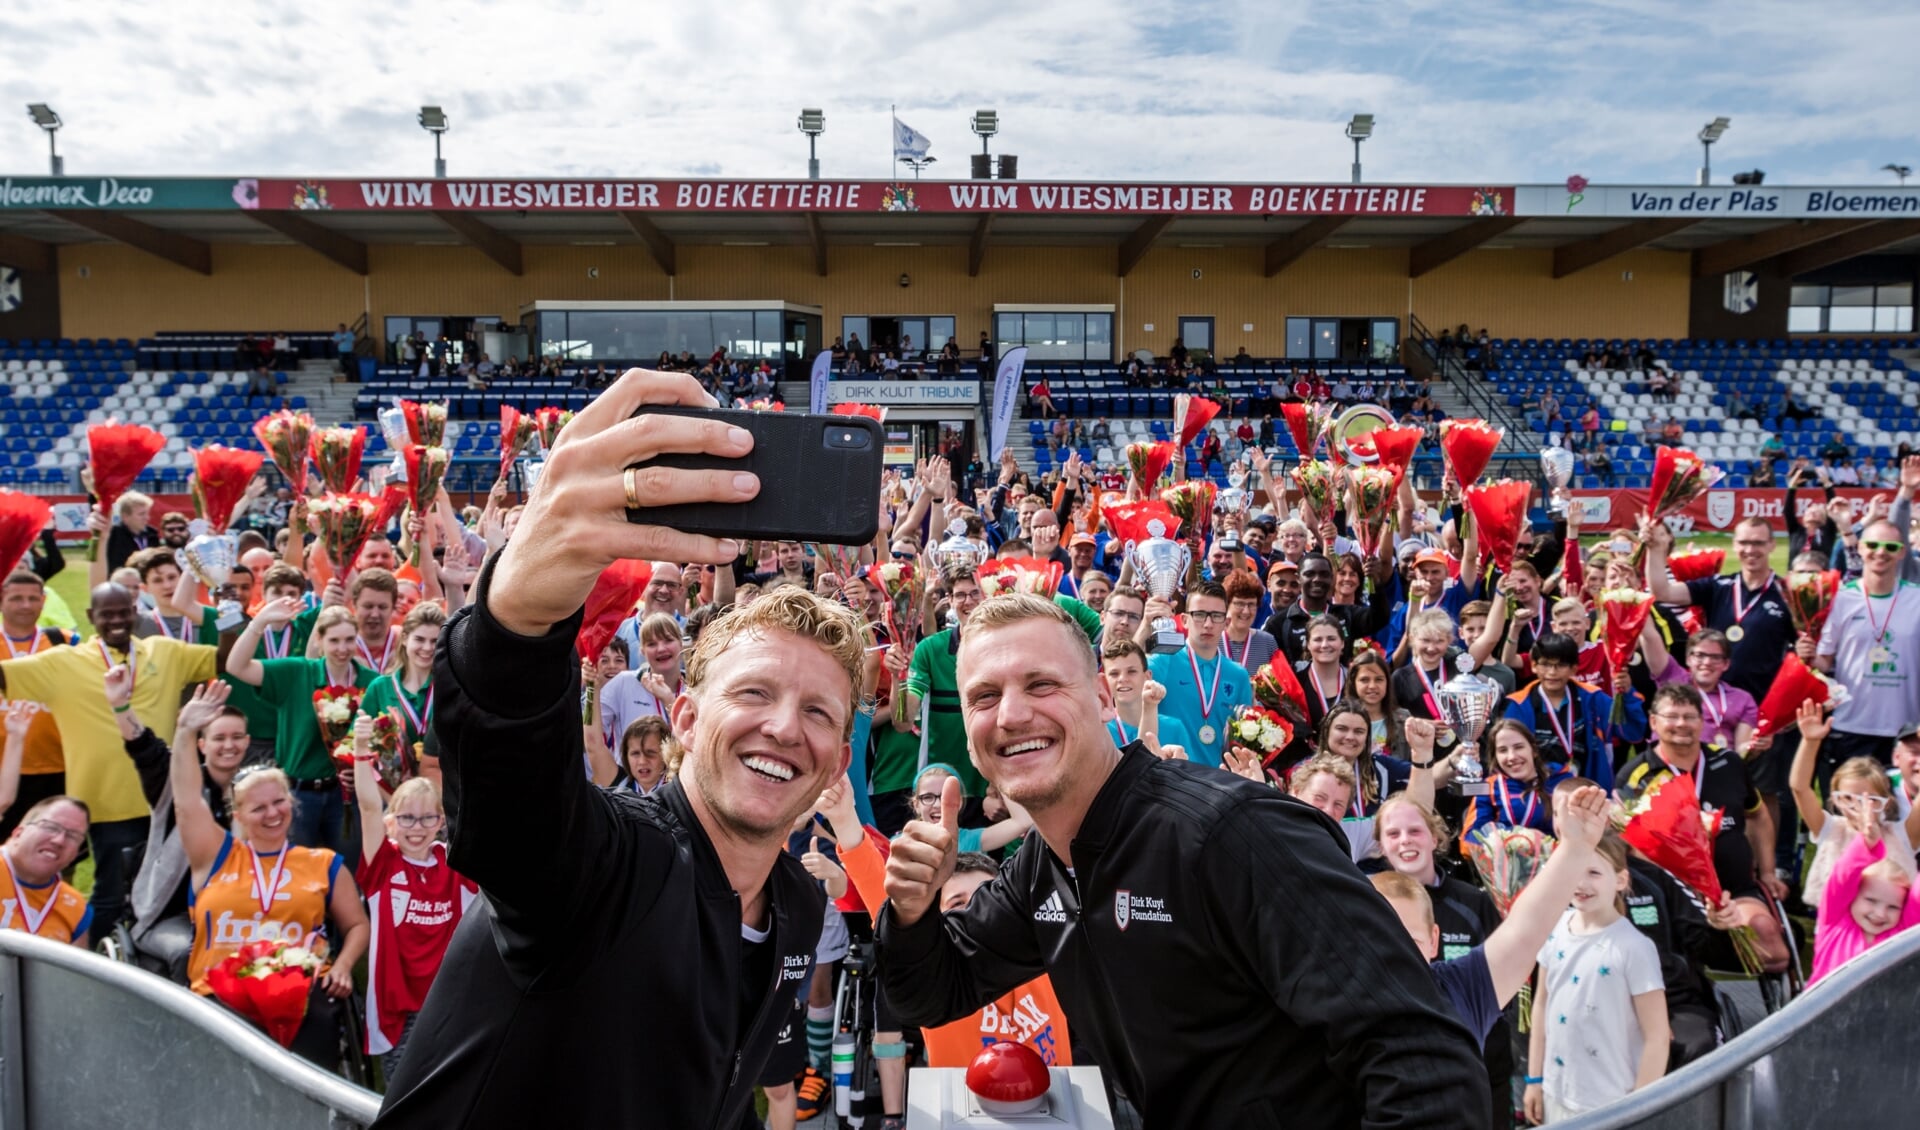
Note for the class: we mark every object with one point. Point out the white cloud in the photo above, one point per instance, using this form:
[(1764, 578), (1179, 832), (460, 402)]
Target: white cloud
[(1497, 91)]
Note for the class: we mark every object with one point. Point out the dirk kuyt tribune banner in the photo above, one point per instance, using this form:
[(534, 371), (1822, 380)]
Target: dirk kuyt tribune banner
[(1006, 394)]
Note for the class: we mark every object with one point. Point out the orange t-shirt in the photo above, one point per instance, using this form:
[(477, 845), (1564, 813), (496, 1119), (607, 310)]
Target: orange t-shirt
[(1030, 1014), (66, 919), (226, 910), (43, 752)]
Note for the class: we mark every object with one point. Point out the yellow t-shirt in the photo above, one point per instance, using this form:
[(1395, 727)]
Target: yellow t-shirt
[(69, 682)]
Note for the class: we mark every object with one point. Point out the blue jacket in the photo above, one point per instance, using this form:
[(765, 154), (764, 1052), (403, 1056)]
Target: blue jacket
[(1594, 734)]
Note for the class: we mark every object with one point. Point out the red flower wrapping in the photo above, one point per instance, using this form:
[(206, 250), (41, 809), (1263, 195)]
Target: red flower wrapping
[(333, 711), (516, 432), (220, 479), (870, 411), (1040, 577), (337, 453), (1128, 521), (1192, 503), (287, 436), (1696, 564), (1499, 511), (345, 522), (1395, 447), (1192, 414), (1668, 826), (1468, 446), (426, 422), (118, 453), (1307, 422), (549, 421), (1679, 477), (276, 1001), (1626, 612), (1148, 462), (1794, 684), (22, 517), (1277, 688), (612, 600), (1810, 598)]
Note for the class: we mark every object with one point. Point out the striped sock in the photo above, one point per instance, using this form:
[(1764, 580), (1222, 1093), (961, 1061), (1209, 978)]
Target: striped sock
[(820, 1037)]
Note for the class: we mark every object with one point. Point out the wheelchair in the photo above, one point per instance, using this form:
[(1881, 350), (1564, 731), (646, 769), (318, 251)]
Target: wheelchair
[(1775, 990)]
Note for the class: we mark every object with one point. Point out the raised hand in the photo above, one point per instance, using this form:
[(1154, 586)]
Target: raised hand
[(205, 705), (656, 685), (19, 717), (1420, 734), (1814, 722), (335, 594), (836, 804), (922, 858), (818, 865), (119, 683), (282, 609), (1582, 818), (1242, 762), (1153, 694)]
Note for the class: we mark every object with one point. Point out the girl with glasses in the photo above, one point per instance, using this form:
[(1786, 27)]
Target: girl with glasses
[(415, 897), (1860, 790)]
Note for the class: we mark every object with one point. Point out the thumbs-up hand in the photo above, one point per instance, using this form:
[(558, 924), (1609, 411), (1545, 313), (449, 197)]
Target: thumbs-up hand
[(922, 858)]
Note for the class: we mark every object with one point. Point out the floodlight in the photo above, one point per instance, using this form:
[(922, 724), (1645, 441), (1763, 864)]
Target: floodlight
[(1901, 171), (986, 123), (1359, 129), (813, 123), (434, 120), (44, 117), (1710, 133)]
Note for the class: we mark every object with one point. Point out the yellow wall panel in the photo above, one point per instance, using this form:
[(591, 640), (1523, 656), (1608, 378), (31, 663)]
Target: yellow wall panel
[(1513, 293)]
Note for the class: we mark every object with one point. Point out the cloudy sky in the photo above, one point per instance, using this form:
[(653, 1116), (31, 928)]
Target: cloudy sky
[(1494, 91)]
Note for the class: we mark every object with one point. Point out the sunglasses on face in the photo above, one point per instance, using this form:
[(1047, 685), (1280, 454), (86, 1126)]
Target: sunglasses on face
[(1883, 546)]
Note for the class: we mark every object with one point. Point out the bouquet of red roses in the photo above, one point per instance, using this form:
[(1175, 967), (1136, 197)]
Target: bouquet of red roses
[(22, 517), (1308, 422), (1394, 448), (426, 467), (1794, 684), (874, 412), (344, 523), (1370, 491), (1148, 461), (220, 479), (1191, 415), (1679, 477), (333, 709), (1693, 564), (1467, 446), (1318, 481), (549, 421), (1625, 612), (426, 422), (516, 432), (391, 763), (1261, 729), (117, 453), (1810, 597), (1192, 503), (286, 436), (1278, 689), (268, 982), (1499, 511), (1668, 825), (1507, 858), (1034, 575), (337, 453), (1132, 522)]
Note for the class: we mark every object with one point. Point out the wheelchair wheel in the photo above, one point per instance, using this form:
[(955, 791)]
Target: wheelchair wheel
[(1732, 1020), (118, 945), (355, 1065)]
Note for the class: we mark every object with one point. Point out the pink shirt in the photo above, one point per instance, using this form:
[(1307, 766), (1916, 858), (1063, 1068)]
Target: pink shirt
[(1838, 938)]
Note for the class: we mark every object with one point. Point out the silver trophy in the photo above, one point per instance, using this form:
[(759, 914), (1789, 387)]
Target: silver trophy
[(1468, 701), (1162, 564), (956, 551), (393, 426), (210, 557), (1556, 467)]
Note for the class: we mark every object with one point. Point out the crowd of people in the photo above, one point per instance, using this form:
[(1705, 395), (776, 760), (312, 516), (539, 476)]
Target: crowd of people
[(992, 780)]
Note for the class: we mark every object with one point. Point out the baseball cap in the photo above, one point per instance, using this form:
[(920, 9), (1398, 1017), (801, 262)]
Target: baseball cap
[(1908, 732), (1436, 556), (1281, 564), (1265, 522), (1083, 539)]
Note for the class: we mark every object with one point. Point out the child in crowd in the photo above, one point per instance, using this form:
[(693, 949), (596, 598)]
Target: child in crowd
[(1522, 782), (643, 763), (1600, 1012), (1860, 786), (1867, 899)]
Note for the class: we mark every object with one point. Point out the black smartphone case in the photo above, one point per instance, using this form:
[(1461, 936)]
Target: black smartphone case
[(810, 490)]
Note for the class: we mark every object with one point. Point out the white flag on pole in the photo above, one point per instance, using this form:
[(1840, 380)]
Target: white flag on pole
[(908, 143), (817, 381)]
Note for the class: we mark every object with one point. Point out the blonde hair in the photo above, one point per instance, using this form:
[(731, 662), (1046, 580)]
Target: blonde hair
[(658, 626), (245, 781), (1865, 770), (1567, 604), (1890, 872), (1434, 823), (130, 501), (426, 612), (413, 787), (1332, 765), (332, 616), (1405, 888), (1009, 609), (833, 626), (1432, 622)]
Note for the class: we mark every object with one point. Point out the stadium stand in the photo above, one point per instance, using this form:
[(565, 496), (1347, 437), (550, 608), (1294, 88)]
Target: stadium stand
[(1857, 393)]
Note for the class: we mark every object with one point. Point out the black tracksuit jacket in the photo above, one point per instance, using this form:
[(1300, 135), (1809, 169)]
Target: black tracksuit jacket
[(608, 940), (1219, 957)]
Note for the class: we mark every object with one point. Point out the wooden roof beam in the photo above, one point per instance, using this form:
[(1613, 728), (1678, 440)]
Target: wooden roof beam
[(489, 242), (193, 254), (1138, 242), (344, 250), (1435, 253), (977, 246), (1863, 241), (656, 240), (30, 255), (1738, 254), (1283, 251), (1581, 254)]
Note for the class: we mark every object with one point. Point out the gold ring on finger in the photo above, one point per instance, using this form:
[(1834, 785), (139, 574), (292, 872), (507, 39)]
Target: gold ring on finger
[(631, 480)]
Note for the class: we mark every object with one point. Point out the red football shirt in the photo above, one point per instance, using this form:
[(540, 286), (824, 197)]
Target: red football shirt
[(414, 908)]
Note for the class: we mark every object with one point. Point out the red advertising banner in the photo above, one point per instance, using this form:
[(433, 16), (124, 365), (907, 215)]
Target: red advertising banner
[(790, 196), (1713, 512)]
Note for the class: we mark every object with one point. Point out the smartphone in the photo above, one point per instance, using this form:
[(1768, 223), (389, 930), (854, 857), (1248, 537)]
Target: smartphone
[(819, 479)]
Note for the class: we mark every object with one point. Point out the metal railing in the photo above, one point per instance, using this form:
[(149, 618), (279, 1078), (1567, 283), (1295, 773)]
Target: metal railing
[(86, 1042), (1839, 1055)]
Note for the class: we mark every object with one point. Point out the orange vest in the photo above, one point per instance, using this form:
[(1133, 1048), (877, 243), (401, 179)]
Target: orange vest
[(227, 913), (1030, 1014), (43, 753), (66, 918)]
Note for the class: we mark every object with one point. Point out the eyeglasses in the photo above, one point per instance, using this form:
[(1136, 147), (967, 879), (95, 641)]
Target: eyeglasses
[(1709, 656), (1871, 800), (927, 800), (1207, 617), (61, 830), (1883, 546), (409, 820), (1677, 717), (1119, 617)]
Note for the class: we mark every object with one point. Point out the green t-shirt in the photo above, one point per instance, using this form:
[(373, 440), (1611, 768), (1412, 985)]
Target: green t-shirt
[(263, 721), (932, 676), (1083, 615), (288, 687), (386, 693), (302, 630)]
